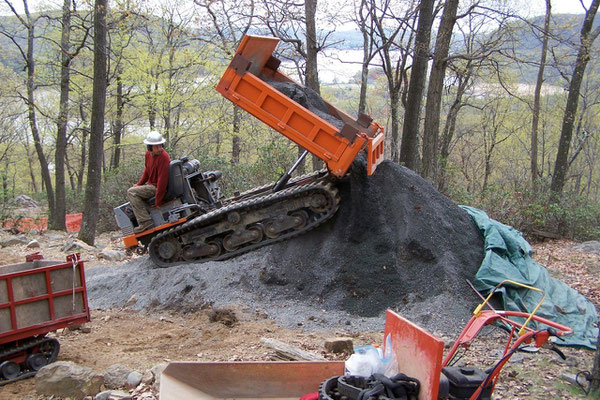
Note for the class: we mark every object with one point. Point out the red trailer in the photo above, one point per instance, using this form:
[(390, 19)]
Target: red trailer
[(37, 297)]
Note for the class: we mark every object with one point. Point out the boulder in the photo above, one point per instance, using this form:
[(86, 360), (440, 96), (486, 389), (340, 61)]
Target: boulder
[(34, 244), (593, 246), (54, 236), (339, 345), (76, 245), (67, 379), (112, 255), (26, 201), (103, 395), (115, 376), (134, 379), (157, 371), (13, 241)]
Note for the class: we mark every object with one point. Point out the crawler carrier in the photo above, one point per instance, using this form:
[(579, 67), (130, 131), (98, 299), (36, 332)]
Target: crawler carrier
[(196, 224)]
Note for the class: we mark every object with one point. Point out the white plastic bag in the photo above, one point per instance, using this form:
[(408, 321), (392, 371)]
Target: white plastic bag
[(364, 362), (369, 360)]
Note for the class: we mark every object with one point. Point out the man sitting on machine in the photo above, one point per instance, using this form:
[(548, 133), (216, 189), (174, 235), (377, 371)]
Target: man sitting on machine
[(153, 182)]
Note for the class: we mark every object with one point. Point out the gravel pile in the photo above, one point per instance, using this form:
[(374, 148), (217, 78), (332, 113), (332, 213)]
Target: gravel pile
[(307, 98), (395, 242)]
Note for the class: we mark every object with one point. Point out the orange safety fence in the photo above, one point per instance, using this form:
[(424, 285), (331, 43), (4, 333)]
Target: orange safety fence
[(73, 222)]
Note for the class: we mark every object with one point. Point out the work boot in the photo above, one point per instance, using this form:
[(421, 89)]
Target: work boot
[(143, 226)]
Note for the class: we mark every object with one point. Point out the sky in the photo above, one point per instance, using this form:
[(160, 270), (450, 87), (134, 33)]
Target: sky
[(538, 7)]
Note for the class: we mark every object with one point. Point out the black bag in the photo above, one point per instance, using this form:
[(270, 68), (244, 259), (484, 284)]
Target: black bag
[(375, 387)]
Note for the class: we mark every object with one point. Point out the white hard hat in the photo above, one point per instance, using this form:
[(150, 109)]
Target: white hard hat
[(154, 137)]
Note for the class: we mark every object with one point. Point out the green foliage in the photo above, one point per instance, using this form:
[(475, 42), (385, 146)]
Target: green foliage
[(573, 216)]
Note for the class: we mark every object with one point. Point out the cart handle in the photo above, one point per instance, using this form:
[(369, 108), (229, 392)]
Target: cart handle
[(478, 309)]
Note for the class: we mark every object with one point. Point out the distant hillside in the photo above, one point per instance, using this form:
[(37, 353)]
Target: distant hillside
[(562, 47), (565, 29)]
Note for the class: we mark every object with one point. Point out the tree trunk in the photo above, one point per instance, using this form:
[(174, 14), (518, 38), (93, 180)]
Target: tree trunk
[(30, 164), (367, 50), (58, 222), (31, 114), (151, 105), (536, 99), (235, 140), (434, 92), (312, 50), (84, 135), (71, 171), (118, 126), (94, 177), (448, 134), (395, 124), (5, 185), (583, 57), (409, 147)]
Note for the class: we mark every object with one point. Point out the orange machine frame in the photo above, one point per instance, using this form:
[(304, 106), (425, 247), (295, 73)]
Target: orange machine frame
[(242, 84)]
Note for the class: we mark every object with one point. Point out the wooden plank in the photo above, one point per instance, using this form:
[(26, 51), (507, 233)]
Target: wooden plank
[(288, 352)]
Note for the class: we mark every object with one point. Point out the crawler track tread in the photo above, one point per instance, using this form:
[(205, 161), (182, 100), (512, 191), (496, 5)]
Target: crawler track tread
[(253, 199), (9, 352)]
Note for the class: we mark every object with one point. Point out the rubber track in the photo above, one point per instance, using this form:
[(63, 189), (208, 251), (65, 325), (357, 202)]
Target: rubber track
[(18, 349), (252, 202)]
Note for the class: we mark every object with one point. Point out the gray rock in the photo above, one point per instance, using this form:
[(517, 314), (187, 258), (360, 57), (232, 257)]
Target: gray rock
[(592, 246), (148, 378), (157, 371), (112, 255), (76, 245), (574, 379), (132, 300), (34, 244), (53, 236), (13, 241), (134, 379), (103, 395), (67, 379), (115, 376), (339, 345), (26, 201)]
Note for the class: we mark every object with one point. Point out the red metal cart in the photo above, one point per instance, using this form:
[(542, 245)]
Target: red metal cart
[(37, 297)]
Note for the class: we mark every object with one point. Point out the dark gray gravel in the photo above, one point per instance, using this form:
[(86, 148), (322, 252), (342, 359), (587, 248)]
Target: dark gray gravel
[(395, 242)]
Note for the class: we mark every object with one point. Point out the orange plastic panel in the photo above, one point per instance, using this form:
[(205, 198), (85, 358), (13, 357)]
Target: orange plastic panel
[(419, 353), (242, 84)]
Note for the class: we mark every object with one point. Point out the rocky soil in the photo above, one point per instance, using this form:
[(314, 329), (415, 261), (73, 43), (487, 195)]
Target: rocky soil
[(141, 340)]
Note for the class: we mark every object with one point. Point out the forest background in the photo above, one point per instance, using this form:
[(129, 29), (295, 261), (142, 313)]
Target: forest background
[(495, 110)]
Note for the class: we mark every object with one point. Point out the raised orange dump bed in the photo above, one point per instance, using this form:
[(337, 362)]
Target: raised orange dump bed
[(244, 84)]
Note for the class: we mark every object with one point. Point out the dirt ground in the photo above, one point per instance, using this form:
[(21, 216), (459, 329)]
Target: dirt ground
[(141, 341)]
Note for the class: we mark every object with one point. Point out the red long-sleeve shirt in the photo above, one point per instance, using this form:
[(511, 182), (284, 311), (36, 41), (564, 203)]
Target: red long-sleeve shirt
[(156, 172)]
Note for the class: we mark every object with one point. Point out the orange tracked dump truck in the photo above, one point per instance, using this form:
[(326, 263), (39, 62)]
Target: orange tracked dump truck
[(196, 224)]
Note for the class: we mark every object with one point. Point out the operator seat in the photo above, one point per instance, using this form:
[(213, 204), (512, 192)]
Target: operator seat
[(175, 186)]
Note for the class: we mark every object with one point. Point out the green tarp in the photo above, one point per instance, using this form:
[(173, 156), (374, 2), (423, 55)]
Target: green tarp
[(508, 256)]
